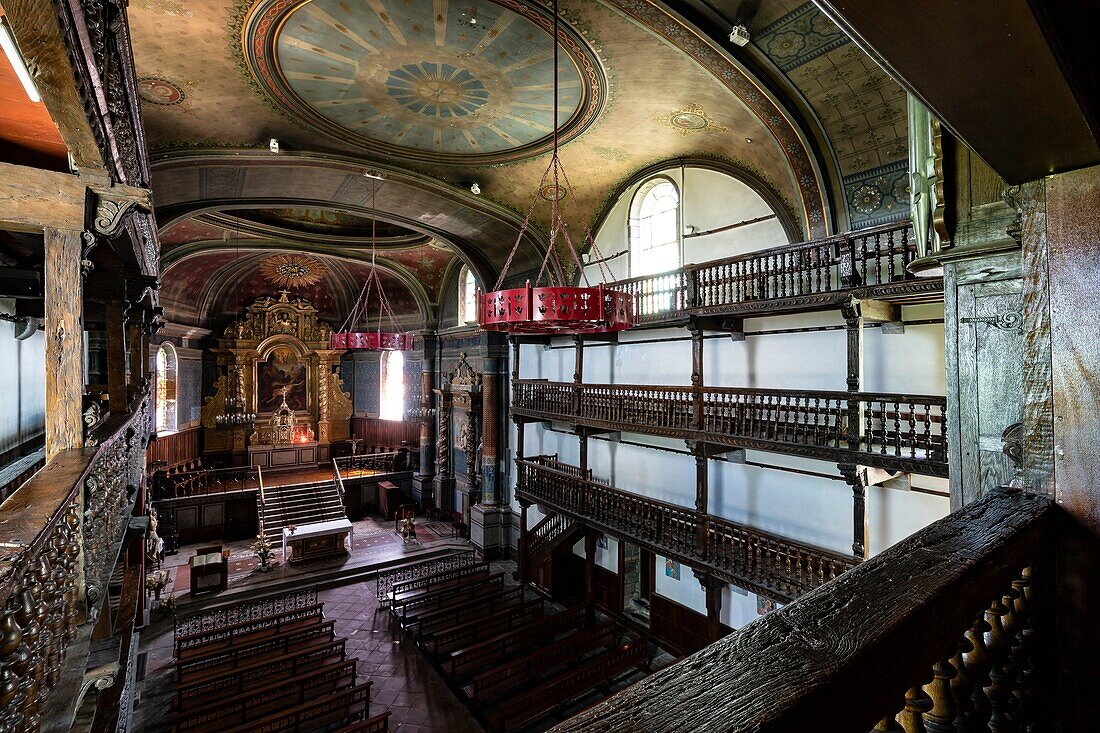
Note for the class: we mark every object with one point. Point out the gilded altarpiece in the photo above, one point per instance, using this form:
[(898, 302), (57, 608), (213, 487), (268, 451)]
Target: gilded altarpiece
[(276, 362)]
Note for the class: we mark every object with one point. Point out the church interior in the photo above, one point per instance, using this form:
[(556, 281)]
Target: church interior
[(577, 365)]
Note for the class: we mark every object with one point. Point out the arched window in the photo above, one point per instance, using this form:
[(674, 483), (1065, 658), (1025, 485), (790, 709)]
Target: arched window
[(166, 370), (467, 296), (392, 402), (655, 228)]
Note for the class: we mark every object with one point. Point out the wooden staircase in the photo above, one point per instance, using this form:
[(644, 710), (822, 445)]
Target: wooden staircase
[(548, 535), (282, 506)]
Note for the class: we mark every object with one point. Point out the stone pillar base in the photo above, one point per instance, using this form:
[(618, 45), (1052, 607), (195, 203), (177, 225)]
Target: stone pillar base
[(444, 489), (488, 529), (423, 491)]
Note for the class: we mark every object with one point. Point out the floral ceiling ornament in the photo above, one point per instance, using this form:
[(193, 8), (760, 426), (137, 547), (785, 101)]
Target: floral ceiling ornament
[(292, 270), (690, 120)]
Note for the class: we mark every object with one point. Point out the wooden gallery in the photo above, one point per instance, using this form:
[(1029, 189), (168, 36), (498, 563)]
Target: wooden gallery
[(587, 366)]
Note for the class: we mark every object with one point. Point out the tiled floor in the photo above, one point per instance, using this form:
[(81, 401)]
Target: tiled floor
[(403, 680)]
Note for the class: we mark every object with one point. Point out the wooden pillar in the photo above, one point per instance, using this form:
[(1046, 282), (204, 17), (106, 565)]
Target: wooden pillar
[(853, 321), (713, 587), (116, 355), (139, 365), (854, 478), (515, 358), (64, 310), (578, 373), (702, 496), (583, 453), (522, 560), (590, 573), (696, 372)]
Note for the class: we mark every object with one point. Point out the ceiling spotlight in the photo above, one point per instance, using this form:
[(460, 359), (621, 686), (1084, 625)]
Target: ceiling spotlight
[(375, 175), (739, 35), (273, 145), (475, 189), (748, 140)]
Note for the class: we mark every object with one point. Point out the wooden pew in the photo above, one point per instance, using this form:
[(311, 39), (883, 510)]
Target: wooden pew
[(498, 681), (403, 607), (313, 715), (376, 724), (449, 599), (206, 643), (429, 623), (254, 704), (471, 658), (568, 685), (481, 571), (442, 644), (226, 660), (259, 673), (402, 587)]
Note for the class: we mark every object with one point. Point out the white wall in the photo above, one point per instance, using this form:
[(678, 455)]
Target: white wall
[(709, 200), (23, 364)]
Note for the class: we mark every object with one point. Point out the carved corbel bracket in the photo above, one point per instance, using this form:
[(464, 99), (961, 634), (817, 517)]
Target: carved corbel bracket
[(110, 210)]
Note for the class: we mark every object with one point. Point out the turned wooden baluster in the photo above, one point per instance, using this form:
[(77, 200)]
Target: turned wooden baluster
[(917, 702), (940, 717), (32, 632), (1024, 649), (978, 664), (999, 690), (961, 688)]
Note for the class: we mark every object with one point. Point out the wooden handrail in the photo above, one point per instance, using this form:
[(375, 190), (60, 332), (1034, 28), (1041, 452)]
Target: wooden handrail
[(853, 652), (774, 566), (60, 535)]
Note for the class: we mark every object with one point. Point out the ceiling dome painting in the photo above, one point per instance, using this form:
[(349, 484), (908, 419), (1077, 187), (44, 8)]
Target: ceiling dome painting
[(422, 79)]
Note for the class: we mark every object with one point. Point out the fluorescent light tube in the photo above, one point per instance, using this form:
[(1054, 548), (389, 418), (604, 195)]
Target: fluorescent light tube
[(7, 40)]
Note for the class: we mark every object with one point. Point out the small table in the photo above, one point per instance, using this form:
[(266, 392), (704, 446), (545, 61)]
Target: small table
[(319, 539)]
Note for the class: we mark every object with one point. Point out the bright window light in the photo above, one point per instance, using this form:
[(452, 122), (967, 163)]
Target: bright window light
[(7, 40)]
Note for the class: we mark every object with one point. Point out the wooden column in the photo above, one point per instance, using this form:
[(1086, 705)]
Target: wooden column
[(702, 496), (590, 573), (515, 358), (116, 355), (578, 373), (522, 560), (696, 372), (583, 452), (854, 478), (713, 588), (64, 341)]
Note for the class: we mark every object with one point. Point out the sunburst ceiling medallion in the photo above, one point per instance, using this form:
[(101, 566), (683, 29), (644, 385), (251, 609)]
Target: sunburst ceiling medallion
[(292, 271), (424, 79)]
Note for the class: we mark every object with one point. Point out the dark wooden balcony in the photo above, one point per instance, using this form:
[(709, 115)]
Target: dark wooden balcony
[(776, 567), (891, 431), (950, 629), (61, 534), (807, 276)]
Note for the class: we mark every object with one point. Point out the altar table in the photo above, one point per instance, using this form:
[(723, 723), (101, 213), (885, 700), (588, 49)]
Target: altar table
[(319, 539)]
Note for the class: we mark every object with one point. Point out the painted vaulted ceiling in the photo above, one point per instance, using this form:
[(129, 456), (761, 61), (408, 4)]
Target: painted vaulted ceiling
[(435, 95)]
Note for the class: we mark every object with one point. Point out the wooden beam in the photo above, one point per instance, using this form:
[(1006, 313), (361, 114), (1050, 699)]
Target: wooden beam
[(64, 342), (879, 311), (44, 48), (32, 200)]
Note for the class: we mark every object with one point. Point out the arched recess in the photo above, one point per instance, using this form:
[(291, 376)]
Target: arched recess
[(762, 188)]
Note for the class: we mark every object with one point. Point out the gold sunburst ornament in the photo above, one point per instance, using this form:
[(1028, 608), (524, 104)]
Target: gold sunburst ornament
[(292, 271)]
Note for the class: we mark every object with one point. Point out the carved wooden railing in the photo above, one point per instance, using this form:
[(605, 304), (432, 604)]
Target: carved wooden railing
[(208, 481), (250, 610), (892, 431), (60, 535), (347, 466), (866, 263), (774, 566), (384, 579), (546, 533), (950, 629)]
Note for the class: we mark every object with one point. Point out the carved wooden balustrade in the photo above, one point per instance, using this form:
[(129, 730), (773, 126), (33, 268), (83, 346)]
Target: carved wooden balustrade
[(950, 629), (208, 481), (869, 263), (753, 559), (544, 534), (891, 431), (60, 535)]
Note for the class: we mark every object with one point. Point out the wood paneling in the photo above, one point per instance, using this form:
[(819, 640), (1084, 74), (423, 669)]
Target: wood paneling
[(385, 432), (175, 448), (676, 627), (609, 591)]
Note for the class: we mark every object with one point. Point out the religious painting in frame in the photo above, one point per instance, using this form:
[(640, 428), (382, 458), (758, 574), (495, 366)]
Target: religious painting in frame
[(672, 569), (282, 373)]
